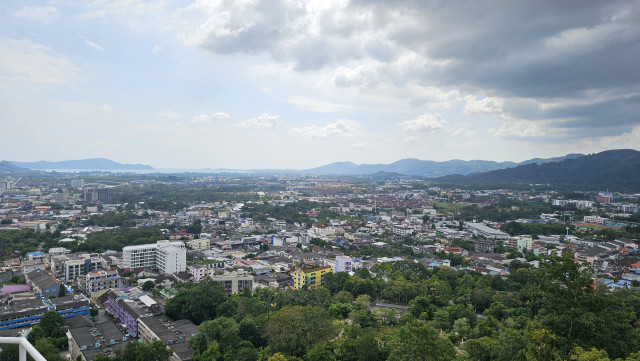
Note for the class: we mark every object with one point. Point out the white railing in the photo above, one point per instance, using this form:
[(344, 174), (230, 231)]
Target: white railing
[(25, 347)]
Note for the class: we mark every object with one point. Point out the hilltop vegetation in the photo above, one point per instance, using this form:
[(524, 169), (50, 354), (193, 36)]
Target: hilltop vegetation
[(551, 313)]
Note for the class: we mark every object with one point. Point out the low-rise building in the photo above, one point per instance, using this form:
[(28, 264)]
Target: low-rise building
[(312, 278), (102, 280)]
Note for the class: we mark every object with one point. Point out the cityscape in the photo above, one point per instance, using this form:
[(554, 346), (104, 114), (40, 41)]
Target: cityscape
[(319, 180)]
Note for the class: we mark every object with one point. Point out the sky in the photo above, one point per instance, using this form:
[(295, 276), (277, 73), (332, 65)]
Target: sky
[(298, 84)]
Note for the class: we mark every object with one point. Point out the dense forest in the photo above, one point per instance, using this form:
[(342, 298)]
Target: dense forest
[(551, 313)]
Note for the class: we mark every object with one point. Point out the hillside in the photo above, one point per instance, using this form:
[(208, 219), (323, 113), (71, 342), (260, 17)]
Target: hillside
[(8, 167), (88, 164), (612, 169), (426, 168)]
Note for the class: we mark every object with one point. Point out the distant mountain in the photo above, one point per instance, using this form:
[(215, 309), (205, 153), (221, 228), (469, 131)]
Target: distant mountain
[(88, 164), (615, 169), (8, 167), (426, 168)]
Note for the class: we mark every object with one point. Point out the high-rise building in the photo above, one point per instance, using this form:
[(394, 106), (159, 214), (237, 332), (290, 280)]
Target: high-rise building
[(166, 256), (77, 183), (97, 195)]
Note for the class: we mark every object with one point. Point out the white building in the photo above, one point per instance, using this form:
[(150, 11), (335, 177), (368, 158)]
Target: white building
[(166, 256), (344, 264)]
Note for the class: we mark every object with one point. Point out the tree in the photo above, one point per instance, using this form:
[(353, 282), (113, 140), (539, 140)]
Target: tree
[(148, 286), (419, 341), (295, 328), (197, 303), (319, 352), (63, 291)]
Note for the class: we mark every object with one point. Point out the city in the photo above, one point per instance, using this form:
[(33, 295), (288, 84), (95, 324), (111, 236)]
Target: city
[(112, 252)]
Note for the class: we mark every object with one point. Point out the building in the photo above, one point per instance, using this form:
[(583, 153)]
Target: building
[(311, 278), (594, 219), (487, 232), (71, 305), (43, 283), (402, 230), (90, 340), (199, 244), (165, 256), (97, 195), (77, 183), (344, 264), (125, 309), (80, 265), (485, 246), (174, 335), (234, 282), (102, 280), (22, 313)]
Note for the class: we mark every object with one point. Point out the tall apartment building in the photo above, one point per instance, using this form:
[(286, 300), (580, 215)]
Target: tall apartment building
[(166, 256), (77, 183), (97, 195)]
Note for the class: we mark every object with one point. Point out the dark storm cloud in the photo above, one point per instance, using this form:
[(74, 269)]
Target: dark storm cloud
[(586, 53)]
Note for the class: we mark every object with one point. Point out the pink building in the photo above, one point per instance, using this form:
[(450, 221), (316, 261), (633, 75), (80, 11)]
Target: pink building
[(8, 289)]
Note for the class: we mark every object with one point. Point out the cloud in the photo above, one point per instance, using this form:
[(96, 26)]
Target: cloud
[(262, 121), (315, 105), (433, 54), (157, 49), (410, 140), (359, 146), (45, 15), (27, 61), (485, 105), (206, 119), (169, 114), (90, 43), (426, 122), (340, 127)]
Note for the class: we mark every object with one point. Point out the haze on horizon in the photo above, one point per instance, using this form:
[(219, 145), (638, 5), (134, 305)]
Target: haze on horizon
[(289, 84)]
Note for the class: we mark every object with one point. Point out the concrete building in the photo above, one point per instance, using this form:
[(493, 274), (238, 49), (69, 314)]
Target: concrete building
[(77, 183), (102, 280), (234, 282), (311, 278), (166, 256), (487, 232), (344, 264), (80, 265), (97, 195), (43, 283)]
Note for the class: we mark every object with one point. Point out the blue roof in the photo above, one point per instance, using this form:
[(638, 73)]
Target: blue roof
[(35, 254)]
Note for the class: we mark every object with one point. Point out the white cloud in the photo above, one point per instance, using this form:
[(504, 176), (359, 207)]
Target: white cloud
[(520, 129), (359, 146), (409, 140), (488, 105), (26, 61), (90, 43), (205, 119), (46, 15), (107, 107), (315, 105), (262, 121), (426, 122), (169, 114), (340, 127), (157, 49)]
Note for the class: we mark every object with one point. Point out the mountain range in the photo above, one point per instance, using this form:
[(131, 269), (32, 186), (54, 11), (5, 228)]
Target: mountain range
[(427, 168), (83, 164), (618, 169)]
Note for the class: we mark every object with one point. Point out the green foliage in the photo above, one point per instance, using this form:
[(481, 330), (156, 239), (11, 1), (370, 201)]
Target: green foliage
[(293, 329), (148, 286), (197, 304), (419, 341)]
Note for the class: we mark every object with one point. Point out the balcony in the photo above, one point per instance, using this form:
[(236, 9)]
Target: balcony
[(24, 349)]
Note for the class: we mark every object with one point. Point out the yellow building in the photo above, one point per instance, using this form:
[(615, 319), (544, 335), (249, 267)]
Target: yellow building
[(312, 278)]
